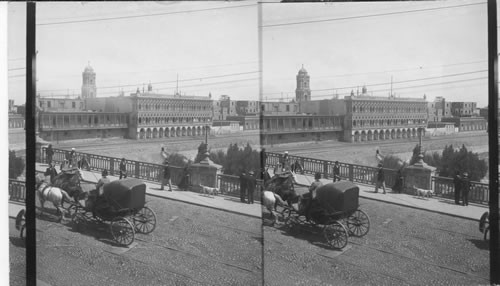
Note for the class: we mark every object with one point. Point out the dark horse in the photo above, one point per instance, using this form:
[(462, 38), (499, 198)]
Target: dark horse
[(69, 181), (283, 186)]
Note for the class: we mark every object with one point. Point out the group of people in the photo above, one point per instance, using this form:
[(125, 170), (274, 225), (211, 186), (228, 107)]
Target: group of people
[(248, 183), (462, 188)]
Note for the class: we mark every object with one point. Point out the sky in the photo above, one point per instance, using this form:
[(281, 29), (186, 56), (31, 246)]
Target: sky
[(209, 47), (436, 48), (343, 46)]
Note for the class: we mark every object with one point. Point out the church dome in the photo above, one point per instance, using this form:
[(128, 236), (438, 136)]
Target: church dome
[(302, 70)]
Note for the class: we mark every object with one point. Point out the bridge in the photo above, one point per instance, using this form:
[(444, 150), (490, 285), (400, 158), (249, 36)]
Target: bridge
[(443, 187)]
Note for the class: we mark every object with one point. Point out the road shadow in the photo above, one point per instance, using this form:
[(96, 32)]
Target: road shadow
[(309, 233), (98, 230), (480, 243)]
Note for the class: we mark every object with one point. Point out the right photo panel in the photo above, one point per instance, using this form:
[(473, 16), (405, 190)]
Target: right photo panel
[(375, 144)]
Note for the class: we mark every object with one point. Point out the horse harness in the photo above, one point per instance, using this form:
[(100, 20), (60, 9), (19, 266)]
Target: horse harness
[(47, 186)]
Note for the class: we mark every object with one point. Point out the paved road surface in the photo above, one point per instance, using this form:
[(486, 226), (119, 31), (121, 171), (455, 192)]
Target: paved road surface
[(191, 245), (403, 247)]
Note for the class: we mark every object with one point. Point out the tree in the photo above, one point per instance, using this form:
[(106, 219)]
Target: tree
[(236, 160), (16, 165)]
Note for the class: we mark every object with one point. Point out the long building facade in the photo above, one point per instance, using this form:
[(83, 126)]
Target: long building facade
[(155, 115), (371, 118)]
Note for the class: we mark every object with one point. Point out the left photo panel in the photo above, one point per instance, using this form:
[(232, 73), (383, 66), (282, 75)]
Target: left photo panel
[(147, 144)]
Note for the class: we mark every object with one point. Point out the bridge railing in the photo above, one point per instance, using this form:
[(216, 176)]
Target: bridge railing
[(352, 172), (17, 190), (141, 170), (230, 185), (443, 187)]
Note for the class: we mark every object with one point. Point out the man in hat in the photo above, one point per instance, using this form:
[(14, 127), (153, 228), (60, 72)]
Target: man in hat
[(336, 172), (50, 173), (123, 169), (50, 154), (104, 180), (380, 179), (166, 177), (71, 157), (465, 189), (243, 186), (286, 161), (251, 184)]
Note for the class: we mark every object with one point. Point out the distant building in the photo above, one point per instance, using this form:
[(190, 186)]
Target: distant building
[(279, 108), (153, 115), (54, 104), (16, 121), (71, 125), (371, 118), (334, 107), (468, 123), (463, 109), (247, 122), (483, 112), (247, 107)]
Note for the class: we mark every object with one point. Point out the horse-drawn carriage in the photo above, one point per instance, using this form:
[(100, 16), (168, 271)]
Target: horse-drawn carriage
[(122, 204), (335, 209)]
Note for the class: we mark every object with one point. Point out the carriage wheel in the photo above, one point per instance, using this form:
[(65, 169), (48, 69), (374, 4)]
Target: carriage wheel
[(358, 223), (122, 231), (145, 220), (336, 235)]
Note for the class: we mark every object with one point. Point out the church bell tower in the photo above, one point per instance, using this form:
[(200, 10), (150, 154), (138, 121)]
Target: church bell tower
[(303, 91)]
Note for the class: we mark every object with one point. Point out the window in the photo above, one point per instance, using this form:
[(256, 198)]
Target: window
[(41, 103), (48, 104), (73, 104)]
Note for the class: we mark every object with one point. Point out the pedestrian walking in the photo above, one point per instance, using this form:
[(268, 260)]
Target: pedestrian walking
[(163, 154), (243, 186), (465, 189), (457, 183), (285, 162), (123, 169), (263, 158), (336, 172), (251, 184), (380, 179), (50, 173), (166, 177), (50, 154)]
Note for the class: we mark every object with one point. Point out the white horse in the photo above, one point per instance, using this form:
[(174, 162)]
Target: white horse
[(269, 200), (55, 195)]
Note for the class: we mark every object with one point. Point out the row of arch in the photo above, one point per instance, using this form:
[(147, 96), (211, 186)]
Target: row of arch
[(163, 132), (178, 105), (390, 134), (165, 119)]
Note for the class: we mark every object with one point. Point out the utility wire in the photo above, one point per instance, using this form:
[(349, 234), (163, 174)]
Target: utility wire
[(372, 15), (160, 82), (386, 83), (407, 87), (139, 16)]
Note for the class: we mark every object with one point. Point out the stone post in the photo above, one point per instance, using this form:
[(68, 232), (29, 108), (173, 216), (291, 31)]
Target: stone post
[(418, 175), (204, 173)]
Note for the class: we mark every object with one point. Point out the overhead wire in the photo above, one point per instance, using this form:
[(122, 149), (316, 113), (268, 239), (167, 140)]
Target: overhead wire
[(386, 83), (370, 15), (140, 16)]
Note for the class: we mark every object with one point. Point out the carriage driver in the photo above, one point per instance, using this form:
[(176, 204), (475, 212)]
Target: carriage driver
[(101, 182), (309, 197), (99, 190)]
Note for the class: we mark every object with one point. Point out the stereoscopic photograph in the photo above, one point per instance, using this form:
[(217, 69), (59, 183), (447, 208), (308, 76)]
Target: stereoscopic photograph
[(251, 143)]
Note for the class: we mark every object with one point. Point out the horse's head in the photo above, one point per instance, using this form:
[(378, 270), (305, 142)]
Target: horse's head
[(39, 179)]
